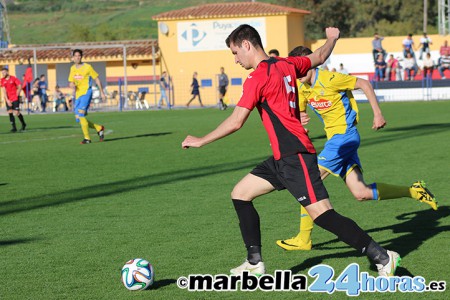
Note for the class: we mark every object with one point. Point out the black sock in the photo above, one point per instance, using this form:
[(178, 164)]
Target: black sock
[(345, 229), (12, 120), (376, 253), (250, 228), (20, 116), (254, 254)]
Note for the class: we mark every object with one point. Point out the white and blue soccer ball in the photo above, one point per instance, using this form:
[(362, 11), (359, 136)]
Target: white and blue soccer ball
[(137, 274)]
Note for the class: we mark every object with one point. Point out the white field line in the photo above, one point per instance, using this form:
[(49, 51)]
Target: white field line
[(47, 139)]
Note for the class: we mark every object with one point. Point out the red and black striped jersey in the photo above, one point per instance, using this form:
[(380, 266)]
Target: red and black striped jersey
[(272, 89)]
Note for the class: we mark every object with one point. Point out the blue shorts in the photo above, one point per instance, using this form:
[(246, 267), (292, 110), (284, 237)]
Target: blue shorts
[(82, 104), (340, 154)]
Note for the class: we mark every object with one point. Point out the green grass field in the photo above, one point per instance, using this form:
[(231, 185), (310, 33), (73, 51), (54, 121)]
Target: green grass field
[(72, 215)]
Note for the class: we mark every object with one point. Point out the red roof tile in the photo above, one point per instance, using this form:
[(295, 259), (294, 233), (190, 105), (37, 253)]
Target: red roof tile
[(228, 10), (136, 48)]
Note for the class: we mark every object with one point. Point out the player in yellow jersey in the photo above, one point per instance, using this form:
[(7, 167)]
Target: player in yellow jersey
[(329, 95), (80, 80)]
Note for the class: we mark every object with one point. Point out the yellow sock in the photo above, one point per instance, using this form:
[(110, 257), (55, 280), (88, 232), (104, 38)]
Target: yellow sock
[(306, 226), (383, 191), (94, 126), (84, 127)]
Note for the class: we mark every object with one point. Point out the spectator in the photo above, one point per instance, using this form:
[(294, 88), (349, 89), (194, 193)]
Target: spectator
[(195, 90), (393, 66), (445, 50), (43, 87), (223, 85), (428, 66), (410, 66), (377, 47), (342, 69), (380, 68), (274, 53), (425, 43), (58, 99), (408, 46), (163, 87), (35, 97), (444, 65)]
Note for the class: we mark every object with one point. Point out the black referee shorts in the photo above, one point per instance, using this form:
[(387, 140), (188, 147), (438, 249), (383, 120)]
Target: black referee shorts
[(297, 173), (15, 105)]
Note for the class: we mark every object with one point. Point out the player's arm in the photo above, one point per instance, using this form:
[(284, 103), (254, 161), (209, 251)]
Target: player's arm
[(19, 90), (366, 87), (73, 87), (302, 103), (319, 56), (5, 96), (231, 124), (99, 85)]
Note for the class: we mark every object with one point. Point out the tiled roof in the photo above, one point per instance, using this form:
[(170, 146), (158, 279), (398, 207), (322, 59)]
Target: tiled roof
[(113, 49), (228, 10)]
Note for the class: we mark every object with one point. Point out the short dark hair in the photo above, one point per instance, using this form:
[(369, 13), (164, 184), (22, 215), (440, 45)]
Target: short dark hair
[(274, 51), (244, 32), (77, 51), (300, 51)]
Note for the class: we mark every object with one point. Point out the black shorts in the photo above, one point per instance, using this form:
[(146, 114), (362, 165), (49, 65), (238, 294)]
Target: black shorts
[(223, 90), (15, 105), (298, 173)]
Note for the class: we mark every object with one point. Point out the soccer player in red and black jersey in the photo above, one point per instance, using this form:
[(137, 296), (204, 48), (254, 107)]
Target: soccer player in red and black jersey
[(11, 88), (272, 89)]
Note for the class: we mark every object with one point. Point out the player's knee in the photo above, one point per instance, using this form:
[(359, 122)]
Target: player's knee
[(361, 195), (238, 193)]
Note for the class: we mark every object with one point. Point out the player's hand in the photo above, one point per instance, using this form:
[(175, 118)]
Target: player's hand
[(332, 33), (304, 118), (378, 122), (103, 96), (191, 141)]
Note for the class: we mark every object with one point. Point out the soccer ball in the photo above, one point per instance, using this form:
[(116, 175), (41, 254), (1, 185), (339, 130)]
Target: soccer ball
[(137, 274)]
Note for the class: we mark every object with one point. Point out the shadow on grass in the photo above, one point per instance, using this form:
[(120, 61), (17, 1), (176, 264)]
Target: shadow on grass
[(121, 186), (396, 134), (3, 183), (401, 133), (413, 230), (31, 129), (162, 283), (135, 136), (15, 242)]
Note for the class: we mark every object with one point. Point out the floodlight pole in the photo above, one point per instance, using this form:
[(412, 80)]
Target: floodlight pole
[(34, 62), (125, 81), (425, 15), (154, 70)]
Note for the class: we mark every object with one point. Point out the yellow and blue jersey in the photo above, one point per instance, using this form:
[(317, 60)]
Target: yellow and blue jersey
[(330, 96), (82, 77)]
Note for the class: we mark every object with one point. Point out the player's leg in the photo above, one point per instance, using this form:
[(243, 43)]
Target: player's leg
[(251, 186), (308, 188), (383, 191), (302, 241), (350, 233), (332, 160), (12, 120), (16, 109), (81, 105)]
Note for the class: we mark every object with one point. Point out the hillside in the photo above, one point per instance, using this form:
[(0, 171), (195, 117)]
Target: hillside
[(54, 21)]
